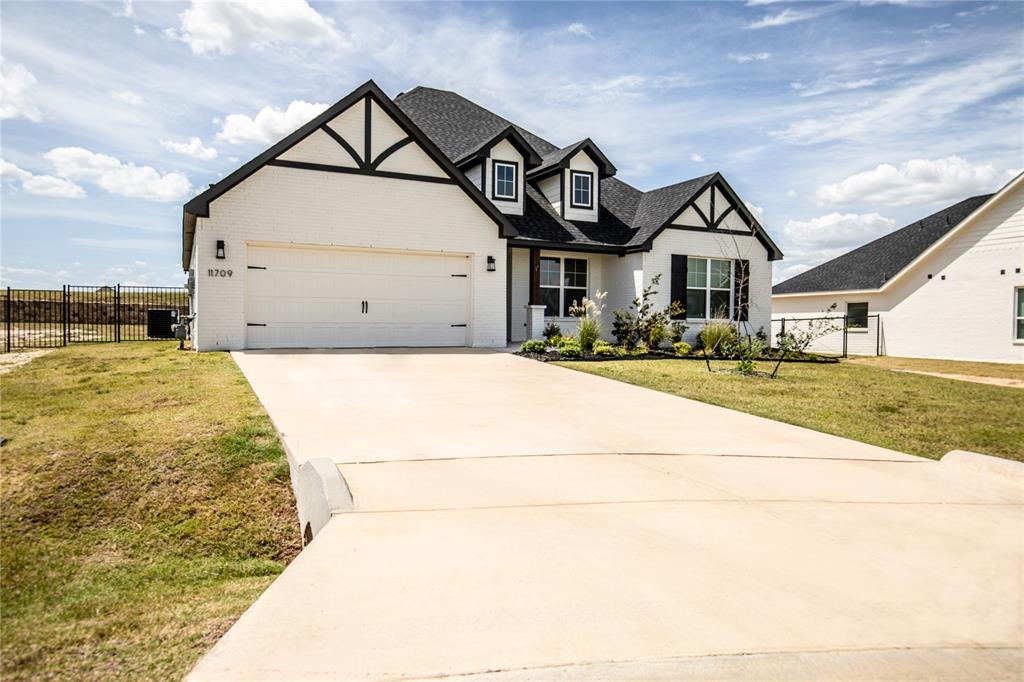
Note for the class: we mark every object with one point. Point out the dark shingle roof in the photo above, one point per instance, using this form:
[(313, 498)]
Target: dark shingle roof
[(627, 218), (872, 265), (456, 125)]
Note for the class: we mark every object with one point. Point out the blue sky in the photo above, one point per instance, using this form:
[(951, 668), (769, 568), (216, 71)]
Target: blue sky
[(837, 122)]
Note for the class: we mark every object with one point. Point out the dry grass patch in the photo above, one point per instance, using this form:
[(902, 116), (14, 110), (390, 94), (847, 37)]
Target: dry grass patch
[(145, 505)]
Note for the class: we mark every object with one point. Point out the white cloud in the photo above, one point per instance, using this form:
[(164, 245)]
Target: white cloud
[(127, 10), (696, 158), (918, 181), (791, 193), (120, 244), (787, 16), (194, 148), (138, 30), (984, 9), (41, 185), (836, 230), (929, 101), (758, 211), (827, 86), (750, 56), (210, 26), (125, 179), (15, 99), (128, 97), (576, 28), (269, 124)]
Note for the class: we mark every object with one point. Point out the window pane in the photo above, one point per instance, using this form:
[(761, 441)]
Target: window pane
[(575, 272), (720, 304), (505, 179), (695, 303), (696, 272), (857, 315), (549, 272), (572, 296), (580, 189), (721, 278), (549, 297), (1020, 329), (1020, 302)]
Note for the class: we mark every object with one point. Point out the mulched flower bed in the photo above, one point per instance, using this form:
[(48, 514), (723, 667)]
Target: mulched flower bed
[(553, 355)]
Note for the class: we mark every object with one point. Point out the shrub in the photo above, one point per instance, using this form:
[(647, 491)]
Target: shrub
[(718, 338), (750, 349), (681, 348), (534, 346), (676, 330), (589, 314), (551, 332), (603, 348), (570, 348), (563, 340), (640, 348), (643, 322)]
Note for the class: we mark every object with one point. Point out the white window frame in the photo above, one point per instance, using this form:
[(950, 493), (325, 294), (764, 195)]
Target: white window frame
[(515, 180), (1018, 293), (561, 282), (589, 205), (707, 288)]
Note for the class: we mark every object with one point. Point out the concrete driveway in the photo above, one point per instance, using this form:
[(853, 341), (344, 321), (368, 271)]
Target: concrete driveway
[(520, 521)]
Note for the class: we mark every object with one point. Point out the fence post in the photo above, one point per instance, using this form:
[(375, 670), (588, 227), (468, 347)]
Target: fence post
[(878, 335), (846, 332), (7, 319), (117, 313)]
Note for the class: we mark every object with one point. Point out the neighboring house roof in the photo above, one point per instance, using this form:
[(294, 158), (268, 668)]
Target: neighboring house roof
[(628, 218), (873, 265), (200, 204)]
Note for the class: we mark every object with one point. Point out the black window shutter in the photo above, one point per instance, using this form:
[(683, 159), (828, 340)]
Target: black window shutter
[(742, 290), (677, 285)]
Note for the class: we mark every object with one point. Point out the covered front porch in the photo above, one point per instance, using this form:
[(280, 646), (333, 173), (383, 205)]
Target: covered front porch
[(543, 284)]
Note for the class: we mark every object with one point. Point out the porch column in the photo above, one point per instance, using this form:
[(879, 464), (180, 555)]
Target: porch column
[(534, 276), (535, 309)]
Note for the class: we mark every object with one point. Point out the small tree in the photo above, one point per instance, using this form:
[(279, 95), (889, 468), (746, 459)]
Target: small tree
[(799, 340), (643, 321)]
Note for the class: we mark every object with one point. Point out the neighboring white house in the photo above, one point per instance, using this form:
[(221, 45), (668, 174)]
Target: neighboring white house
[(949, 286), (430, 221)]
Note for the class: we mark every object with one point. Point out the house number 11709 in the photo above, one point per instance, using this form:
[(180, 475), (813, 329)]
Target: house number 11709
[(213, 272)]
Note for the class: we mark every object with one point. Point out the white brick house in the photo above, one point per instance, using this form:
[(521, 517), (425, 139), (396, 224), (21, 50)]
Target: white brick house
[(430, 221), (949, 286)]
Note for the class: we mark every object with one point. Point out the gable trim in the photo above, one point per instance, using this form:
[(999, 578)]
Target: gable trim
[(344, 144), (530, 156), (382, 157), (199, 206), (717, 180), (327, 168)]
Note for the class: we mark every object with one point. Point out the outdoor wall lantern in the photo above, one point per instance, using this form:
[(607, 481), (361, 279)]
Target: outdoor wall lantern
[(492, 265), (220, 249)]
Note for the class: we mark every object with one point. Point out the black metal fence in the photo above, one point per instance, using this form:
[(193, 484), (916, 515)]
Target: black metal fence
[(838, 336), (50, 318)]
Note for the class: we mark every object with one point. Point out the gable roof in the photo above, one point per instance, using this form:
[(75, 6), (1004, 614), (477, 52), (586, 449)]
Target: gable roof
[(560, 159), (628, 218), (874, 264), (530, 156), (200, 204)]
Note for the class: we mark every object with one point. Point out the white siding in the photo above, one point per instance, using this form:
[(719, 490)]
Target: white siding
[(966, 316), (319, 148), (293, 206), (473, 174), (505, 151), (711, 245), (689, 218), (581, 162), (551, 188)]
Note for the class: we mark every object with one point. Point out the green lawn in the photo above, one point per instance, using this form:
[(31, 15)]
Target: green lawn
[(921, 415), (145, 504)]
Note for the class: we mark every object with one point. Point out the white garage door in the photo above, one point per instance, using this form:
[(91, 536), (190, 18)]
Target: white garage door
[(332, 298)]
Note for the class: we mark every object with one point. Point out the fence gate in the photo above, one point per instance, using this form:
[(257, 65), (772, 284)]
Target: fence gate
[(840, 338), (50, 318)]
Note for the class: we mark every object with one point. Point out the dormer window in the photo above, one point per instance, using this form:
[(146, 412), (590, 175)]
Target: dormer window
[(505, 182), (582, 194)]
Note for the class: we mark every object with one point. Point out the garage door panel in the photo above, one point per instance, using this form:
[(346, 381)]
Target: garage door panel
[(314, 298)]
